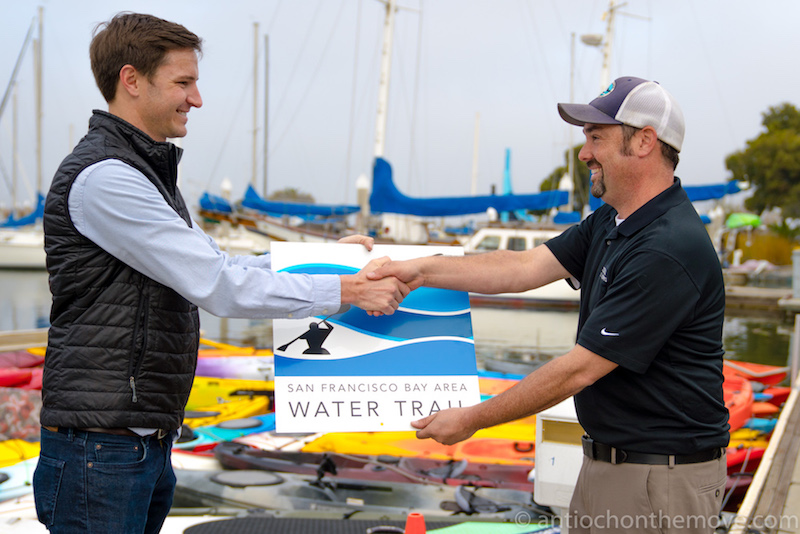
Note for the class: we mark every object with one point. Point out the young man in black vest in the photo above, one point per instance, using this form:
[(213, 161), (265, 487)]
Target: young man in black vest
[(128, 269)]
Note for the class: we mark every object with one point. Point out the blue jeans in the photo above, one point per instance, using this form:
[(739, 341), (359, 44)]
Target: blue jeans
[(89, 482)]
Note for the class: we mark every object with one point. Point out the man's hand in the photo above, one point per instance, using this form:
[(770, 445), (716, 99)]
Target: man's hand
[(408, 272), (367, 241), (447, 426), (376, 297)]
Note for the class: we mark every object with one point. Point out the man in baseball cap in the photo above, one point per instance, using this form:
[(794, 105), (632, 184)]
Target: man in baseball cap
[(646, 368), (648, 270), (640, 111), (635, 102)]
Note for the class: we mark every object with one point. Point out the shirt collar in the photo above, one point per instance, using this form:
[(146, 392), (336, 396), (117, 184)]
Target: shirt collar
[(653, 209)]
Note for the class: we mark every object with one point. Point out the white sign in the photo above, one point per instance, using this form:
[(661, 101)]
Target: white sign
[(351, 372)]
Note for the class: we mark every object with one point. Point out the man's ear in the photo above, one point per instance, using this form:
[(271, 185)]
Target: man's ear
[(129, 80), (646, 141)]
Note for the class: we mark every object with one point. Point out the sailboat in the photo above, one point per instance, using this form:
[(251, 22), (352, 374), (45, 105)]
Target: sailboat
[(22, 240), (22, 237), (395, 215)]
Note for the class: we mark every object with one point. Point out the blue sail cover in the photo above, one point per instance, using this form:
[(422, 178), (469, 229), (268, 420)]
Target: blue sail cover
[(31, 218), (209, 202), (695, 193), (711, 192), (254, 201), (385, 198)]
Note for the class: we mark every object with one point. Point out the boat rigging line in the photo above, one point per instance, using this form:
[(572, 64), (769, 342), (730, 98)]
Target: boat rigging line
[(17, 65), (351, 129)]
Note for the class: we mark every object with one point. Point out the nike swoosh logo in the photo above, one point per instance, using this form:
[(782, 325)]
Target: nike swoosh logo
[(607, 333)]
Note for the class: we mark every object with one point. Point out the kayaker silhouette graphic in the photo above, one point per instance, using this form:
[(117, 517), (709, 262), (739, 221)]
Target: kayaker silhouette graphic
[(315, 336)]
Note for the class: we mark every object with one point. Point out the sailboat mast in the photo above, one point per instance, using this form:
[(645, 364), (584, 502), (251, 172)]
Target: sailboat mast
[(14, 148), (605, 76), (266, 111), (17, 65), (476, 137), (571, 153), (383, 87), (255, 102), (39, 72)]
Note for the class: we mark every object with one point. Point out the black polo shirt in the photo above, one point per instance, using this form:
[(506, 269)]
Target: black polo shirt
[(653, 302)]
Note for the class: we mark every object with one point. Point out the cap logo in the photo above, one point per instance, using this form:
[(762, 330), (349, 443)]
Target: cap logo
[(607, 91)]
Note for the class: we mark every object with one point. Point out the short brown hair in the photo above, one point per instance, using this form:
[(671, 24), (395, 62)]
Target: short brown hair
[(669, 153), (138, 40)]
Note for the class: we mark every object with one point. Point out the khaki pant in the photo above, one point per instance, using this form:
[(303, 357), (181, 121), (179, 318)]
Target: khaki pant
[(645, 499)]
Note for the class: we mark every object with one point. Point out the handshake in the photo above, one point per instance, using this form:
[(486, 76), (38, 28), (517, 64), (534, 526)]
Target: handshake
[(381, 285)]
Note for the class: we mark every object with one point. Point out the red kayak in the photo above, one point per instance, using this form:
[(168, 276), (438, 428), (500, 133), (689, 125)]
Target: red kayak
[(779, 394), (744, 459), (12, 376), (735, 490), (20, 358), (36, 379)]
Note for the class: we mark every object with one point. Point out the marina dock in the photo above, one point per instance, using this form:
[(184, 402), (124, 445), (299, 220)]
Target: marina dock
[(749, 300), (772, 503), (23, 339)]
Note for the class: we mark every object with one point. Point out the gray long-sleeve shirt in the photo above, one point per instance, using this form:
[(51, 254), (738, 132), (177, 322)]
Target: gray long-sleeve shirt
[(120, 210)]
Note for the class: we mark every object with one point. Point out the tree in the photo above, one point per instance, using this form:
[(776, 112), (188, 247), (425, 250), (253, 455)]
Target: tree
[(581, 178), (771, 162)]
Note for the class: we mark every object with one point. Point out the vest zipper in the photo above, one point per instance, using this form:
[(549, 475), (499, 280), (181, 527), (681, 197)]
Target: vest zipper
[(138, 360)]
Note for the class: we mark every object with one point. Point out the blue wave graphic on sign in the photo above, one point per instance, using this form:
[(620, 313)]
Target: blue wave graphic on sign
[(429, 299), (403, 325), (428, 357), (320, 268)]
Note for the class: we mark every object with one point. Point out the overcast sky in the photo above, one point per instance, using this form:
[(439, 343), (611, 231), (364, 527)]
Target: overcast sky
[(726, 62)]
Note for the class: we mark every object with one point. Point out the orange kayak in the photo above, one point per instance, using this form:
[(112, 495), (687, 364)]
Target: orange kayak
[(769, 375), (738, 395), (761, 409), (490, 385)]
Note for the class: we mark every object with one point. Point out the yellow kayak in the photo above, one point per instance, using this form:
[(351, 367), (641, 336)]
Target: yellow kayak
[(210, 390), (747, 437), (218, 412), (13, 451), (510, 443), (37, 351), (225, 349)]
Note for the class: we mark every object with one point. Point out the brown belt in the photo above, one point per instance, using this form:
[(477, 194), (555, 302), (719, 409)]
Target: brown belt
[(160, 433)]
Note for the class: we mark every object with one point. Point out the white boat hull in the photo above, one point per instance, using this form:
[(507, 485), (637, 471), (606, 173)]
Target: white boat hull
[(556, 295), (559, 294), (22, 249)]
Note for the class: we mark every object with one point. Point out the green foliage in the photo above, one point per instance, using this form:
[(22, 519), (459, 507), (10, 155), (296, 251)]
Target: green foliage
[(784, 117), (771, 163), (581, 177), (788, 231)]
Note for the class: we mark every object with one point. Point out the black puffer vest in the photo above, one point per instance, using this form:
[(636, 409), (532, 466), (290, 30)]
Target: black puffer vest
[(122, 348)]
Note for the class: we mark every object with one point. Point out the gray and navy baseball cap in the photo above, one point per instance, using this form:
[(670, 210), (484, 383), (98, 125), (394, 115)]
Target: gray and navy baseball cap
[(635, 102)]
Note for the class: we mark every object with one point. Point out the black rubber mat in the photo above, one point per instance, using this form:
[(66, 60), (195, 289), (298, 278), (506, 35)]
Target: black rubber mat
[(272, 525)]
